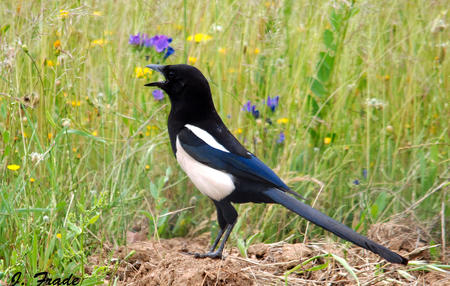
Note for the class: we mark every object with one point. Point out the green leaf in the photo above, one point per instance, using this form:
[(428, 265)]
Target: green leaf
[(325, 67), (77, 230), (5, 136), (93, 219), (312, 104), (241, 247), (318, 267), (335, 20), (381, 201), (4, 29), (347, 267), (328, 39), (374, 211), (154, 190), (317, 88)]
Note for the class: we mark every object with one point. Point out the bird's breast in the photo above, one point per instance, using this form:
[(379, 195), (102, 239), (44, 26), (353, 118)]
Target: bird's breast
[(214, 183)]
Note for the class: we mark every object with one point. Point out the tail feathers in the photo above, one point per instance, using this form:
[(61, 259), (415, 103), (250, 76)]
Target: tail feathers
[(333, 226)]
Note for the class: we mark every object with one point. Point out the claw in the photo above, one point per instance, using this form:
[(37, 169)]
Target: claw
[(213, 255)]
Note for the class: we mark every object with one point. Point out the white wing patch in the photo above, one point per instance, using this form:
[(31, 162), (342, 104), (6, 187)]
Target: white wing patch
[(205, 136), (211, 182)]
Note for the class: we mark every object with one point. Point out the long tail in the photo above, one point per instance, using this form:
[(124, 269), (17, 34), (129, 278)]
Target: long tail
[(330, 224)]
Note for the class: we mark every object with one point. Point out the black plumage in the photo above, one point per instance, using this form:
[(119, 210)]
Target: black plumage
[(223, 169)]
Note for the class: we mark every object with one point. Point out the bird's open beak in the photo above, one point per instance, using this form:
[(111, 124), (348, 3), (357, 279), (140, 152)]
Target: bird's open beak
[(158, 68)]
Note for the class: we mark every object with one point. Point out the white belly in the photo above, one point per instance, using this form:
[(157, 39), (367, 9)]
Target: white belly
[(211, 182)]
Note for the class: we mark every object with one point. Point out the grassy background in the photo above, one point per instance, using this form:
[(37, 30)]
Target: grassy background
[(363, 96)]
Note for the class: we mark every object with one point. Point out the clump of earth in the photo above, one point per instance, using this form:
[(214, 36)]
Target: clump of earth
[(165, 262)]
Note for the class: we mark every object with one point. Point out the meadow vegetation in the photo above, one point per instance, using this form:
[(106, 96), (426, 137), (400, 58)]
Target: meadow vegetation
[(359, 126)]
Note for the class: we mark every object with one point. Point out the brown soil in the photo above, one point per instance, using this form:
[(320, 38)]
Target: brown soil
[(165, 262)]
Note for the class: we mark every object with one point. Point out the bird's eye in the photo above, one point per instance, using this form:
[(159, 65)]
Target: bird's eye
[(171, 75)]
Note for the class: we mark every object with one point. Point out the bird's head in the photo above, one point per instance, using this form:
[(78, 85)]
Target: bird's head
[(183, 83)]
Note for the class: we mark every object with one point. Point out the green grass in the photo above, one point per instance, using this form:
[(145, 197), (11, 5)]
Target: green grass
[(113, 164)]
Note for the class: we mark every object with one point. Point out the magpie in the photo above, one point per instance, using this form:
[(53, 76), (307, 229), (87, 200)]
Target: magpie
[(222, 169)]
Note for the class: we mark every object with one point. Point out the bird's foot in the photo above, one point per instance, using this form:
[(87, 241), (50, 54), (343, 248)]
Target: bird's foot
[(213, 255)]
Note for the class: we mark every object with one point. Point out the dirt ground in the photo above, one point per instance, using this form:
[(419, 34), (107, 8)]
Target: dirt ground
[(164, 262)]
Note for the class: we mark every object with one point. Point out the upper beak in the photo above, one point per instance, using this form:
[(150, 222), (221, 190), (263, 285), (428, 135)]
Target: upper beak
[(158, 68)]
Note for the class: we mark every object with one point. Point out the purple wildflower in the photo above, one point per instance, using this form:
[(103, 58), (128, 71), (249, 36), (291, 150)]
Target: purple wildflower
[(146, 41), (251, 108), (356, 182), (281, 137), (160, 42), (364, 173), (169, 52), (135, 39), (248, 106), (158, 94), (255, 112), (273, 102)]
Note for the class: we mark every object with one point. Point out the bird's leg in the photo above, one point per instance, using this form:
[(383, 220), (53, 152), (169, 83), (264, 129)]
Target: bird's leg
[(218, 252), (216, 241)]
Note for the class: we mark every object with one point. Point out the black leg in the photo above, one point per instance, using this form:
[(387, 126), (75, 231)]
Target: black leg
[(226, 216), (216, 241), (222, 224)]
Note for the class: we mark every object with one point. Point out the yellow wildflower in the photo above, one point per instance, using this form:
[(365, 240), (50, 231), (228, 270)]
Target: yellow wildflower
[(387, 77), (222, 51), (13, 167), (97, 13), (147, 133), (50, 136), (327, 140), (63, 14), (94, 133), (32, 180), (76, 103), (99, 42), (58, 235), (24, 135), (49, 63), (57, 44), (142, 72), (147, 167), (283, 120), (256, 51), (239, 131), (200, 37), (192, 60)]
